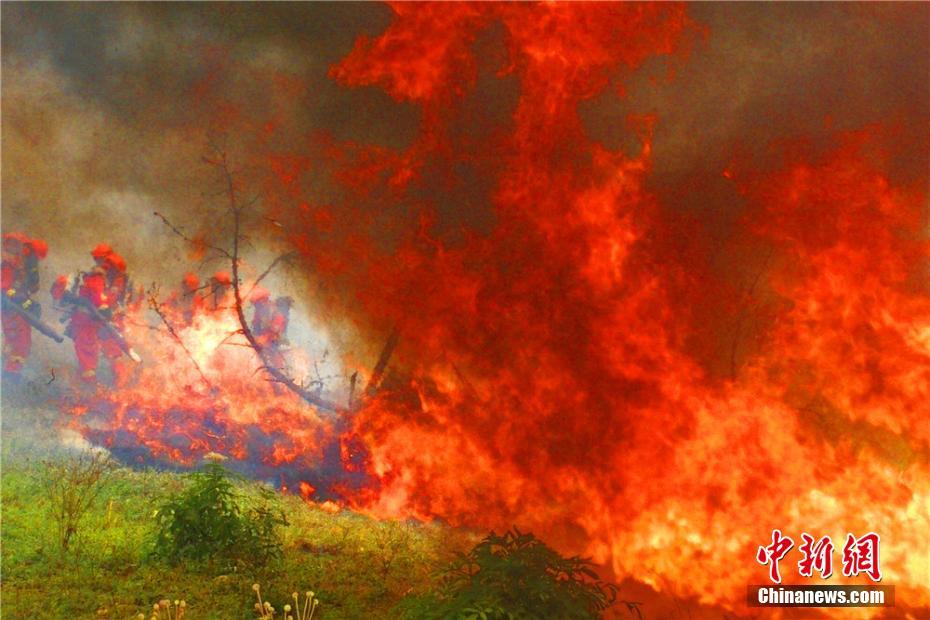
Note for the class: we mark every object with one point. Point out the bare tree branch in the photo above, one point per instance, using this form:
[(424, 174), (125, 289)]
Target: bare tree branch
[(154, 305), (352, 380), (222, 164), (283, 258), (178, 232), (218, 159), (746, 298), (378, 373)]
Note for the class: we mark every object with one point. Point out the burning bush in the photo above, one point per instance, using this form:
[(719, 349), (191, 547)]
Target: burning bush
[(515, 576), (210, 520)]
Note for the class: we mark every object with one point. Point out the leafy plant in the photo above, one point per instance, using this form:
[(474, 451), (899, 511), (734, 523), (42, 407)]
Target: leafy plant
[(72, 486), (210, 520), (513, 577)]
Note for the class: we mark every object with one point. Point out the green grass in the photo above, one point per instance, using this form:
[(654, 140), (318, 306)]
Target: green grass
[(359, 567)]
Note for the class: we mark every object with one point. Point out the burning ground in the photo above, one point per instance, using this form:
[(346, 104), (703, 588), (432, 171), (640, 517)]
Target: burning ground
[(659, 272)]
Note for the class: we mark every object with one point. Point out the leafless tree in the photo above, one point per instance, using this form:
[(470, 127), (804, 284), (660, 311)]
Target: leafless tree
[(72, 485), (236, 208)]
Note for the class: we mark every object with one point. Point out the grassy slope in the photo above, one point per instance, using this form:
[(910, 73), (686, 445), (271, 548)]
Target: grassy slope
[(359, 567)]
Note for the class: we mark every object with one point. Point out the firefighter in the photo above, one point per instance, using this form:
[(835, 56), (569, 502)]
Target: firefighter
[(97, 301), (186, 303), (20, 281), (220, 295), (269, 326), (261, 309), (281, 318), (119, 296)]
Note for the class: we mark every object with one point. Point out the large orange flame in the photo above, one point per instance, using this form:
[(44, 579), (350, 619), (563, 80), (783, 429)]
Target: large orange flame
[(547, 374), (551, 382)]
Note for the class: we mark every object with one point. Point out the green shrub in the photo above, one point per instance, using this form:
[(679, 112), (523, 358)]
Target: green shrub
[(210, 520), (514, 577)]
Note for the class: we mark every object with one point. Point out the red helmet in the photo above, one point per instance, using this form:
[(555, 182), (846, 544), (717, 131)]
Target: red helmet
[(15, 236), (38, 247), (101, 251), (259, 295), (14, 241), (115, 261), (191, 281)]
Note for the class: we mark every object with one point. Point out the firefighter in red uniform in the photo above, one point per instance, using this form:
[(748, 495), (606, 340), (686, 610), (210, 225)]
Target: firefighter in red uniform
[(185, 303), (261, 312), (118, 297), (102, 290), (20, 281), (220, 296), (269, 325)]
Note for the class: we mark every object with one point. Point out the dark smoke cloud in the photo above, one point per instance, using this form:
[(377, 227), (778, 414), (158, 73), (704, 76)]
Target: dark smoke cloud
[(133, 59), (102, 124), (767, 74)]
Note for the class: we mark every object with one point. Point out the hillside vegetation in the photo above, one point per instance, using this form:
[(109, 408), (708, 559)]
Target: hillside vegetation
[(358, 567)]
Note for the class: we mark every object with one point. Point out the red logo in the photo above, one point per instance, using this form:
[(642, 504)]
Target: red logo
[(817, 556), (860, 555), (772, 554)]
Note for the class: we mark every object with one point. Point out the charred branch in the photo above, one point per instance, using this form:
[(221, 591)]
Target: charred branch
[(283, 258), (154, 305), (279, 376), (378, 374), (352, 380), (745, 303), (236, 209), (177, 231)]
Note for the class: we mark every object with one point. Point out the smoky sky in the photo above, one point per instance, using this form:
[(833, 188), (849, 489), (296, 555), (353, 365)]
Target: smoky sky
[(102, 127), (100, 130), (123, 57)]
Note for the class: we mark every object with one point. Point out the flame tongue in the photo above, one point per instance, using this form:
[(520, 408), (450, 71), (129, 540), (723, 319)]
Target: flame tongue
[(553, 383), (170, 413), (547, 374)]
